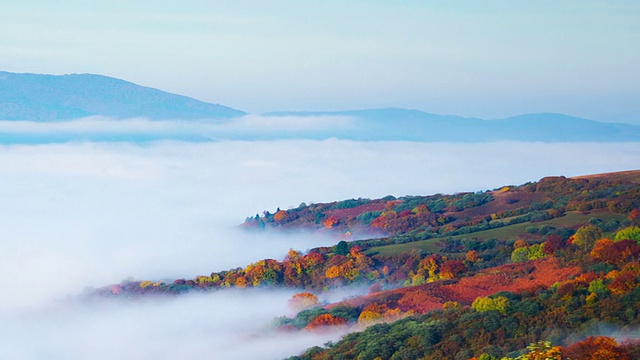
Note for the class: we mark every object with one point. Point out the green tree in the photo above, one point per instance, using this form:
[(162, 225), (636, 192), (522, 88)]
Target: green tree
[(482, 304), (630, 233), (536, 251), (587, 236), (342, 248), (597, 287), (520, 254)]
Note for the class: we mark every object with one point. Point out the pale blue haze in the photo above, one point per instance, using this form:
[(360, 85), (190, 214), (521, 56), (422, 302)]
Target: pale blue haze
[(487, 59), (135, 192)]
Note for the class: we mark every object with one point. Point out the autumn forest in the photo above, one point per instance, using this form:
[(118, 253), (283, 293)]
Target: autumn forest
[(542, 270)]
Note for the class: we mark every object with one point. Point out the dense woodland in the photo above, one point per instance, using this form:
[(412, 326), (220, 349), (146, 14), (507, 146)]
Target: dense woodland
[(544, 270)]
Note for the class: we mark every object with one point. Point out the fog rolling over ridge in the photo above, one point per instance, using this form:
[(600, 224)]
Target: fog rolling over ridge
[(168, 169), (91, 214), (226, 324), (60, 100), (90, 200)]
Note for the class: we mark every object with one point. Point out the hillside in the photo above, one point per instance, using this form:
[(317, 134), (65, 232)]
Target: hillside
[(458, 276), (433, 216), (40, 97)]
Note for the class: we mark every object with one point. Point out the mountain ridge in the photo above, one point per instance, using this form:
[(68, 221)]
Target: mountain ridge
[(42, 97), (54, 98), (375, 124)]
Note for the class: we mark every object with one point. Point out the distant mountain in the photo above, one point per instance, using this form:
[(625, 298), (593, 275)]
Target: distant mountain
[(558, 127), (39, 97), (51, 98), (415, 125)]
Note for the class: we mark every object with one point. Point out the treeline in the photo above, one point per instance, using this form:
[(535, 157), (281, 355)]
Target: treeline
[(414, 218), (480, 297), (319, 269), (557, 320)]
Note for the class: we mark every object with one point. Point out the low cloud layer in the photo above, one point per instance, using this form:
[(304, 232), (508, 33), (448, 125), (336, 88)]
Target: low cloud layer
[(86, 214), (227, 324), (77, 215), (104, 128)]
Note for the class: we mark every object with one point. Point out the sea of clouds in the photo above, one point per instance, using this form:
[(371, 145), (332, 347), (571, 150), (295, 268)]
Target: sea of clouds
[(82, 214)]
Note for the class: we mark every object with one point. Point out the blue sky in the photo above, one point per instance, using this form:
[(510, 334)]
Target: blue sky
[(487, 59)]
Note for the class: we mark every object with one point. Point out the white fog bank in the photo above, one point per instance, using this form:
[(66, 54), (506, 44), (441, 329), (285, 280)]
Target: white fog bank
[(228, 324), (76, 215), (85, 214)]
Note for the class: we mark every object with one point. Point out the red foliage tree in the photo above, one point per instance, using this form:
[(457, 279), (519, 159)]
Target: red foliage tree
[(596, 348), (615, 252), (634, 216), (452, 268), (623, 283), (404, 213), (313, 259), (355, 251), (553, 243), (325, 320)]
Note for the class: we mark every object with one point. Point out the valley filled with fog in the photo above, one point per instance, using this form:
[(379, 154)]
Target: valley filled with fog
[(83, 214)]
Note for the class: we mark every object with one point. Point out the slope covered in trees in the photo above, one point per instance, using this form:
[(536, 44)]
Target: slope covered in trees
[(529, 271), (413, 218)]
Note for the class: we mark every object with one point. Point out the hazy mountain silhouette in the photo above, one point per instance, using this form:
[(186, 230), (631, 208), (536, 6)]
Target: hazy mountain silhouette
[(39, 97), (415, 125), (49, 98)]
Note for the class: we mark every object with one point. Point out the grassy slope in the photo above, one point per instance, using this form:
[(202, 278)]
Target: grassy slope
[(510, 232)]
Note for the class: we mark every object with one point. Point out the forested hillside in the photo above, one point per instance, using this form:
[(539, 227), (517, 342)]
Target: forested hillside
[(544, 270)]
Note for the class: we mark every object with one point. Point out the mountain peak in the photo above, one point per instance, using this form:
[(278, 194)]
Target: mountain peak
[(40, 97)]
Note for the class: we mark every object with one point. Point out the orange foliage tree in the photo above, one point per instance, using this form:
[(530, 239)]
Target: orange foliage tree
[(241, 282), (542, 350), (325, 320), (471, 256), (420, 209), (313, 259), (333, 272), (430, 264), (372, 313), (520, 244), (280, 216), (330, 222), (303, 300), (596, 348)]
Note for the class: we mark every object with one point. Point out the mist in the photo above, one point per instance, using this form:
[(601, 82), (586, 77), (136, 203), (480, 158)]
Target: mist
[(228, 324), (105, 129), (77, 215)]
